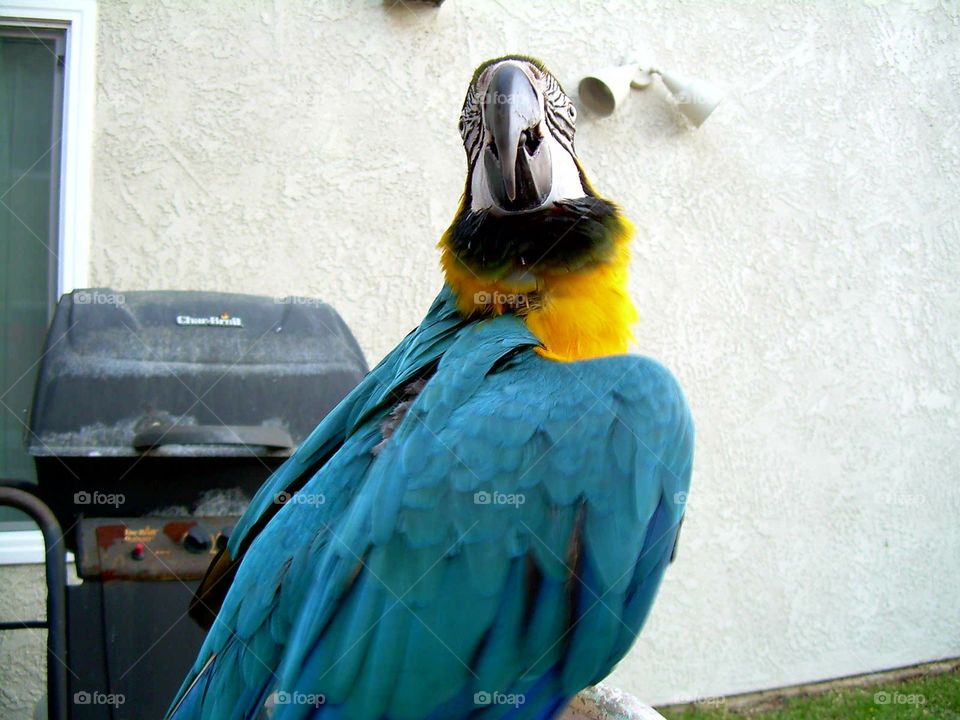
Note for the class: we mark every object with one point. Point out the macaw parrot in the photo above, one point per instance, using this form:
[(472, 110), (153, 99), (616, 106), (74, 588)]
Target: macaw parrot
[(479, 528)]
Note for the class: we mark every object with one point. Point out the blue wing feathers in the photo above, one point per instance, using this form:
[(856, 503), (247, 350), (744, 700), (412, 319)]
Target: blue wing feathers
[(509, 538), (661, 534)]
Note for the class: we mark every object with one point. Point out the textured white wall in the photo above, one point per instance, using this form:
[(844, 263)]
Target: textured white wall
[(796, 264), (23, 667)]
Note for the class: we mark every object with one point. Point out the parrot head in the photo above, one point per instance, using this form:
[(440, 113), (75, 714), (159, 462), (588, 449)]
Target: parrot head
[(530, 228), (517, 126)]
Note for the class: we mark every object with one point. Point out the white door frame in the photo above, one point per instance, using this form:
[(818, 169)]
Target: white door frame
[(79, 19)]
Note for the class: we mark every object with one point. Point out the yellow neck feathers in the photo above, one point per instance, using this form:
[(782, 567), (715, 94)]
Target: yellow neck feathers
[(576, 315)]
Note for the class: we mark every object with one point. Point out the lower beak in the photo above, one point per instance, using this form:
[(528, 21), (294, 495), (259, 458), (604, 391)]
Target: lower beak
[(516, 160)]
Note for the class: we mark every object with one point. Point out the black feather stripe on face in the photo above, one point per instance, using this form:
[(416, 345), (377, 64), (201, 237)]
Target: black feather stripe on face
[(560, 113), (567, 236), (471, 124)]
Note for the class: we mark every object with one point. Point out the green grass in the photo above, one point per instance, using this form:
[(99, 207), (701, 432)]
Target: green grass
[(936, 697)]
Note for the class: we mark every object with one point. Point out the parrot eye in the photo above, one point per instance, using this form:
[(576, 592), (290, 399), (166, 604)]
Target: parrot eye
[(572, 112)]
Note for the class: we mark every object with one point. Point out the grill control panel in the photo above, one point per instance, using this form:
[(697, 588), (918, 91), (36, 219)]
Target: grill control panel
[(149, 548)]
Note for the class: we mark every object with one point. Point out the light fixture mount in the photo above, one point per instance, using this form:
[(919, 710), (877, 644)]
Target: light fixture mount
[(604, 91)]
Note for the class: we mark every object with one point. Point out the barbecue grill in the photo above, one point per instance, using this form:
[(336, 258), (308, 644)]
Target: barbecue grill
[(156, 416)]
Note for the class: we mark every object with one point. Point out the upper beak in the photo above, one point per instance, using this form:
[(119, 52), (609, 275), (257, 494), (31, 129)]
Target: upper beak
[(517, 162)]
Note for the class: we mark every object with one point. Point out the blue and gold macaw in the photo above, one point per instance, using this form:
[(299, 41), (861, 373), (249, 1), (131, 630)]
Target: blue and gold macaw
[(479, 529)]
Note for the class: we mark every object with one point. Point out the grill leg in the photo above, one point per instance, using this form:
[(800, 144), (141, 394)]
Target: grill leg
[(56, 571)]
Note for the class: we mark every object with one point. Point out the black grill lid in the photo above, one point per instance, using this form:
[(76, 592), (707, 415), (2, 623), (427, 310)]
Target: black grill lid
[(188, 373)]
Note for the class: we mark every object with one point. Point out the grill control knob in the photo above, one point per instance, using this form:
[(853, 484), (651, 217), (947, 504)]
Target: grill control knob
[(138, 551), (197, 539)]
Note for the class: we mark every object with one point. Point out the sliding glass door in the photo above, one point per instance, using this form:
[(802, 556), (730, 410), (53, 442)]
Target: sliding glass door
[(31, 97)]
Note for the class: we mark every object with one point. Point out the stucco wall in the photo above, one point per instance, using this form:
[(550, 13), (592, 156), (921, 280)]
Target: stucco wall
[(795, 264), (23, 670)]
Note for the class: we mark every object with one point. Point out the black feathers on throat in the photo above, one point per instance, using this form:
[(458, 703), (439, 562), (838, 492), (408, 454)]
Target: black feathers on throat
[(565, 236)]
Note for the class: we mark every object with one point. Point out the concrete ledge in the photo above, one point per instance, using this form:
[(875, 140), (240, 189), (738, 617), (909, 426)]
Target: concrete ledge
[(602, 702), (21, 547)]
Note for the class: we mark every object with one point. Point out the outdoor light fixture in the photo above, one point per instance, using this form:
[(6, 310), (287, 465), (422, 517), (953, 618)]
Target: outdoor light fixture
[(605, 89)]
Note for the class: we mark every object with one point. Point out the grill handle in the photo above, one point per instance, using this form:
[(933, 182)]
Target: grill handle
[(273, 438)]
